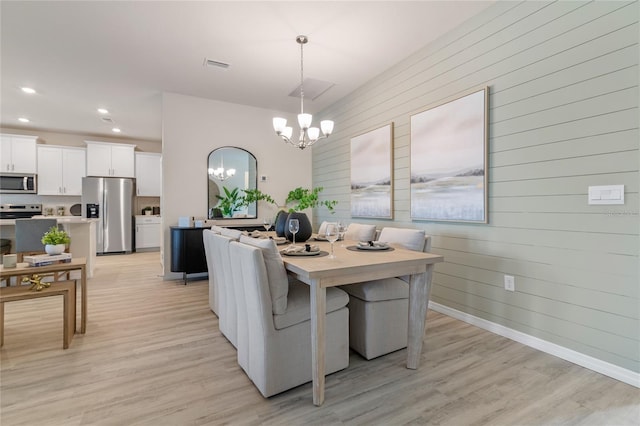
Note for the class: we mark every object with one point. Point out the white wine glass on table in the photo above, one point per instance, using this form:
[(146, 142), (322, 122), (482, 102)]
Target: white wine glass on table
[(332, 236), (294, 227), (266, 223)]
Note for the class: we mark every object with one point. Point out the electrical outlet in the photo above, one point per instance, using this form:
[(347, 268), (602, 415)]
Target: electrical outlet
[(509, 283)]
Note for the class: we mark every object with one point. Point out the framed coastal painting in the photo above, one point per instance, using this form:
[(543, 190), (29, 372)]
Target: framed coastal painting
[(449, 160), (372, 173)]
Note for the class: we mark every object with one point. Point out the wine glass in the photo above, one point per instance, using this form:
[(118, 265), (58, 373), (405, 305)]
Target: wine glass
[(294, 227), (266, 222), (332, 236), (342, 228)]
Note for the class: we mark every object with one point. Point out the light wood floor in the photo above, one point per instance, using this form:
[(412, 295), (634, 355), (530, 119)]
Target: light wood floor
[(153, 355)]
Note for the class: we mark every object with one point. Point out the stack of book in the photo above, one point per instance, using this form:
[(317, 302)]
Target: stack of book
[(46, 259)]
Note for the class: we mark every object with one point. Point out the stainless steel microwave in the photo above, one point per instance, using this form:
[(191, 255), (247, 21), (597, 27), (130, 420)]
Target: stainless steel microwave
[(14, 183)]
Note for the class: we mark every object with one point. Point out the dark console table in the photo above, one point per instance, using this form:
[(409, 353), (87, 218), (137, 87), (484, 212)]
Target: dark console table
[(187, 251)]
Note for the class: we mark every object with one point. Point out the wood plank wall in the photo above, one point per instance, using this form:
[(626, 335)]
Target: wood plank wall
[(563, 81)]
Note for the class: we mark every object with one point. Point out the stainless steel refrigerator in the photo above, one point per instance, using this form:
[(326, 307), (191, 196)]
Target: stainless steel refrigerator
[(111, 201)]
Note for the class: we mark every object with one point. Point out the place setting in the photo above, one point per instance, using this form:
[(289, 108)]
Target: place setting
[(301, 250), (370, 246)]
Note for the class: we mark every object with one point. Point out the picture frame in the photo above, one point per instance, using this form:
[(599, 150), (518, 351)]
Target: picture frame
[(372, 173), (448, 164)]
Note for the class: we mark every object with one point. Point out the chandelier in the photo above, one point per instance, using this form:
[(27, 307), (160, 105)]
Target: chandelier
[(308, 135), (220, 173)]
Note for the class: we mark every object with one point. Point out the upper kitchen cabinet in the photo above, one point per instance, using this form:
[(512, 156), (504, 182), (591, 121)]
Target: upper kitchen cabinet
[(148, 174), (110, 159), (60, 170), (18, 153)]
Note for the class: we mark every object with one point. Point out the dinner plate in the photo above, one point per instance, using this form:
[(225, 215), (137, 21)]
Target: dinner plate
[(301, 253), (322, 238), (369, 248)]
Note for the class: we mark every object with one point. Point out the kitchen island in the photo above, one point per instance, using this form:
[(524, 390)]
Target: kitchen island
[(82, 232)]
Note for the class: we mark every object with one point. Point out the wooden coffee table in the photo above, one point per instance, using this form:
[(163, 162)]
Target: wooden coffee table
[(76, 264)]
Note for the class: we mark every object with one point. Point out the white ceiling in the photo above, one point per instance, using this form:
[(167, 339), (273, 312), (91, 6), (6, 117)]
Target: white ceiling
[(122, 55)]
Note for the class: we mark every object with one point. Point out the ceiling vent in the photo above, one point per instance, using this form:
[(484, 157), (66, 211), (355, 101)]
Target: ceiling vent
[(214, 64), (312, 88), (107, 120)]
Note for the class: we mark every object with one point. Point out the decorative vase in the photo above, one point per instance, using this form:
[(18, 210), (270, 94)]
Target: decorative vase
[(281, 222), (52, 249), (305, 230)]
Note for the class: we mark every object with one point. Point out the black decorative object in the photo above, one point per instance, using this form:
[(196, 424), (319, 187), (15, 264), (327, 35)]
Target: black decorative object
[(281, 222), (305, 231)]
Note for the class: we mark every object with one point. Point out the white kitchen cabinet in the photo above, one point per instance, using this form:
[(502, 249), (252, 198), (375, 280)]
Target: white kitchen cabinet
[(17, 153), (110, 159), (148, 232), (148, 174), (60, 170)]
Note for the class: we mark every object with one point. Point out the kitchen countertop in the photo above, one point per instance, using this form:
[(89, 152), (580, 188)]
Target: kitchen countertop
[(61, 219)]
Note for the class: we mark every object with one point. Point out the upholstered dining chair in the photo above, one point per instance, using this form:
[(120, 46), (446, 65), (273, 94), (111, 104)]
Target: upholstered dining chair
[(208, 253), (379, 309), (360, 232), (227, 313), (277, 354)]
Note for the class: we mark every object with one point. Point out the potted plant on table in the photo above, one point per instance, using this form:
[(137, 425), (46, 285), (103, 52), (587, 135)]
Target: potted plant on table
[(55, 240), (300, 199)]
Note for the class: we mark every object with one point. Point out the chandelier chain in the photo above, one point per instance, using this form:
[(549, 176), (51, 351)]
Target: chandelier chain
[(301, 78)]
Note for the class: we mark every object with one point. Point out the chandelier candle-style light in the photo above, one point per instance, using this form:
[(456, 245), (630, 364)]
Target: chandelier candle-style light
[(308, 135), (220, 173)]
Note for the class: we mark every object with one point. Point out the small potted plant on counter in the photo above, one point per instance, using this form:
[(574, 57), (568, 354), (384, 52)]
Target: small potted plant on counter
[(55, 240)]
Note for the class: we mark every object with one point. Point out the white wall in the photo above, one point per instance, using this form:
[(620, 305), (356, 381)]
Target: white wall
[(563, 79), (192, 128)]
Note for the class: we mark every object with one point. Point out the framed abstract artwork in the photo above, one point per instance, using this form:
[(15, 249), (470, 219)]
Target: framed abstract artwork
[(449, 160), (372, 173)]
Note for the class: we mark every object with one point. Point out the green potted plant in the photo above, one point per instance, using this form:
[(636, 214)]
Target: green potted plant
[(55, 240), (230, 202), (255, 195), (147, 210), (298, 200)]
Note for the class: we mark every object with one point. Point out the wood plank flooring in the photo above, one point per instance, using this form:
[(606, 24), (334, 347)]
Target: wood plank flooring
[(153, 355)]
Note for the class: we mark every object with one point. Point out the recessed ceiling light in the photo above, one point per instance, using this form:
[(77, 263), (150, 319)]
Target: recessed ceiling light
[(115, 130), (28, 90), (103, 111), (23, 120)]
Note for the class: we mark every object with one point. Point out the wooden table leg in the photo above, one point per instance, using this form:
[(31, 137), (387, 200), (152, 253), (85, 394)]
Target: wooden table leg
[(83, 287), (419, 291), (69, 314), (1, 323), (318, 320)]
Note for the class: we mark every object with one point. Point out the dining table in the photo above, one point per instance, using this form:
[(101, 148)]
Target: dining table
[(351, 265)]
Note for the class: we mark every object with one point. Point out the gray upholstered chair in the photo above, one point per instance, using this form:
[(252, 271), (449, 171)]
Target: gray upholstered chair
[(379, 309), (29, 234), (360, 232), (227, 314), (277, 355), (208, 252)]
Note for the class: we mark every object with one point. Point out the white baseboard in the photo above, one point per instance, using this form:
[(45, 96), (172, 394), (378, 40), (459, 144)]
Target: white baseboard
[(603, 367)]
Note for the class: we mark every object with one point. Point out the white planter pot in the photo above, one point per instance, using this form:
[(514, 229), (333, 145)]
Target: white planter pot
[(52, 249)]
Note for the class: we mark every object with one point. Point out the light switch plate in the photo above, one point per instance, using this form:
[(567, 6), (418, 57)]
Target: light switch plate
[(606, 194)]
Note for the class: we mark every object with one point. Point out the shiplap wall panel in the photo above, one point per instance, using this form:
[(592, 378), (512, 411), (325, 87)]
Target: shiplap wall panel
[(619, 350), (566, 311), (563, 115)]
